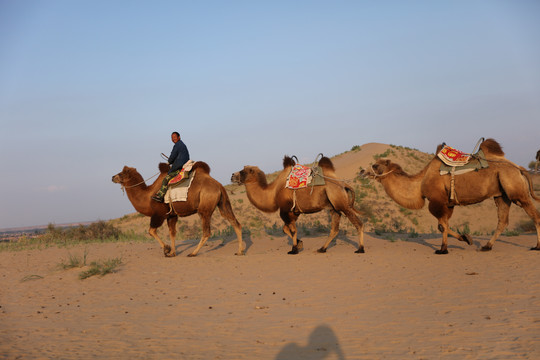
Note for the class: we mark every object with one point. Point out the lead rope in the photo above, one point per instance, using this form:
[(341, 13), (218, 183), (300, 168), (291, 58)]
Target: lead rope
[(142, 182)]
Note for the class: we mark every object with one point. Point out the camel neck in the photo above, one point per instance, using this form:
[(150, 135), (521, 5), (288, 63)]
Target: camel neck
[(139, 195), (263, 195), (405, 189)]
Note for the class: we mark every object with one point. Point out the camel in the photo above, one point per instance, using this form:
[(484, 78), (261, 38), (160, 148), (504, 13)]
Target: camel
[(334, 195), (503, 180), (205, 194)]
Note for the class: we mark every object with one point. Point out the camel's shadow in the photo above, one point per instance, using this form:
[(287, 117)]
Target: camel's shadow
[(433, 241), (342, 236), (214, 243), (322, 343)]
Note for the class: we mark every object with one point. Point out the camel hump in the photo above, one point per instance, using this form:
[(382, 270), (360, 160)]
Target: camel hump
[(288, 161), (491, 146), (202, 166), (488, 146), (163, 167), (326, 163)]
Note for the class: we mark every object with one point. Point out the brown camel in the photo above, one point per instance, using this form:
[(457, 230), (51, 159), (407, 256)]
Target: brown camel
[(506, 182), (334, 195), (205, 194)]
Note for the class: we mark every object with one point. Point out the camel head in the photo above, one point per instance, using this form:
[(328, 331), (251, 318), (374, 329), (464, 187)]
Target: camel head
[(249, 174), (126, 175), (380, 169)]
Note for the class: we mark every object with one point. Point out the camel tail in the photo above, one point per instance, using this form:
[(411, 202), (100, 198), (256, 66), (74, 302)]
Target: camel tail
[(225, 208), (525, 173), (352, 197)]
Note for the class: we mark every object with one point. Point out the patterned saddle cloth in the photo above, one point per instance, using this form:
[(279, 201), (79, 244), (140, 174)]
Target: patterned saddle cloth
[(179, 190), (183, 174), (301, 176), (459, 162)]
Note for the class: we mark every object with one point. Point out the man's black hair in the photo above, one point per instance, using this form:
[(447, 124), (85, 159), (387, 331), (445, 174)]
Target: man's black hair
[(176, 132)]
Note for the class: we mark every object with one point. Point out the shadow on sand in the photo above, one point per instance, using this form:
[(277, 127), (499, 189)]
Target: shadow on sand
[(187, 245), (322, 343)]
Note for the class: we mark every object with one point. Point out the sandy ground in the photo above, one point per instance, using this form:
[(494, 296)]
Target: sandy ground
[(397, 301)]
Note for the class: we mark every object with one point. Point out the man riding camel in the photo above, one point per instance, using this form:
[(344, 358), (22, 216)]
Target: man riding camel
[(179, 156)]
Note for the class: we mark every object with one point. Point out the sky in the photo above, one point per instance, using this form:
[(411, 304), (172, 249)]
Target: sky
[(87, 87)]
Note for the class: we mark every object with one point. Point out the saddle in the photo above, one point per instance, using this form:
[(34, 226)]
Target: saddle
[(179, 191), (301, 176), (456, 162), (183, 174), (459, 162), (179, 185)]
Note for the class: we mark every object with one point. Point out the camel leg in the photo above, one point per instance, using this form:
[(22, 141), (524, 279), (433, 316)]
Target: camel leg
[(289, 218), (461, 237), (535, 216), (155, 222), (443, 228), (359, 225), (503, 209), (238, 230), (205, 220), (443, 214), (225, 210), (336, 217), (171, 223)]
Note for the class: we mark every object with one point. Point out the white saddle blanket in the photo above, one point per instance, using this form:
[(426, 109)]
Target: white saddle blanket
[(178, 193)]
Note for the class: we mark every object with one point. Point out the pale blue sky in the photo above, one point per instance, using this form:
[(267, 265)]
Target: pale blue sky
[(87, 87)]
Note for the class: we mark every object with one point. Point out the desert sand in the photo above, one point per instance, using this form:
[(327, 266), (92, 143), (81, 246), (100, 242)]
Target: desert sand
[(397, 301)]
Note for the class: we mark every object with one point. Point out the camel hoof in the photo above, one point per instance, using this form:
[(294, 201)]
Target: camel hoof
[(241, 253), (441, 252), (485, 248), (360, 251), (467, 238), (192, 255), (170, 254), (321, 250), (167, 250), (536, 248), (294, 251)]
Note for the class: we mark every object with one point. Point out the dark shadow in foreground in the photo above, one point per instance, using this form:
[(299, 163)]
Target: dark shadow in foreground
[(322, 343)]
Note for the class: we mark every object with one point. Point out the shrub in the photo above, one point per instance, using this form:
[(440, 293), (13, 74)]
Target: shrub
[(101, 268), (511, 233), (526, 226)]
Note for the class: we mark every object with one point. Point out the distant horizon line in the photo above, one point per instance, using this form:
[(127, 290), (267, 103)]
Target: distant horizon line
[(40, 227)]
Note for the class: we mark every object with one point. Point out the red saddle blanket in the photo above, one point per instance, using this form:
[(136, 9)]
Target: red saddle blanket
[(453, 157), (183, 174), (299, 177)]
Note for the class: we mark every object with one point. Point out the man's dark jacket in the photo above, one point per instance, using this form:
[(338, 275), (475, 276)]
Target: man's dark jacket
[(179, 156)]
